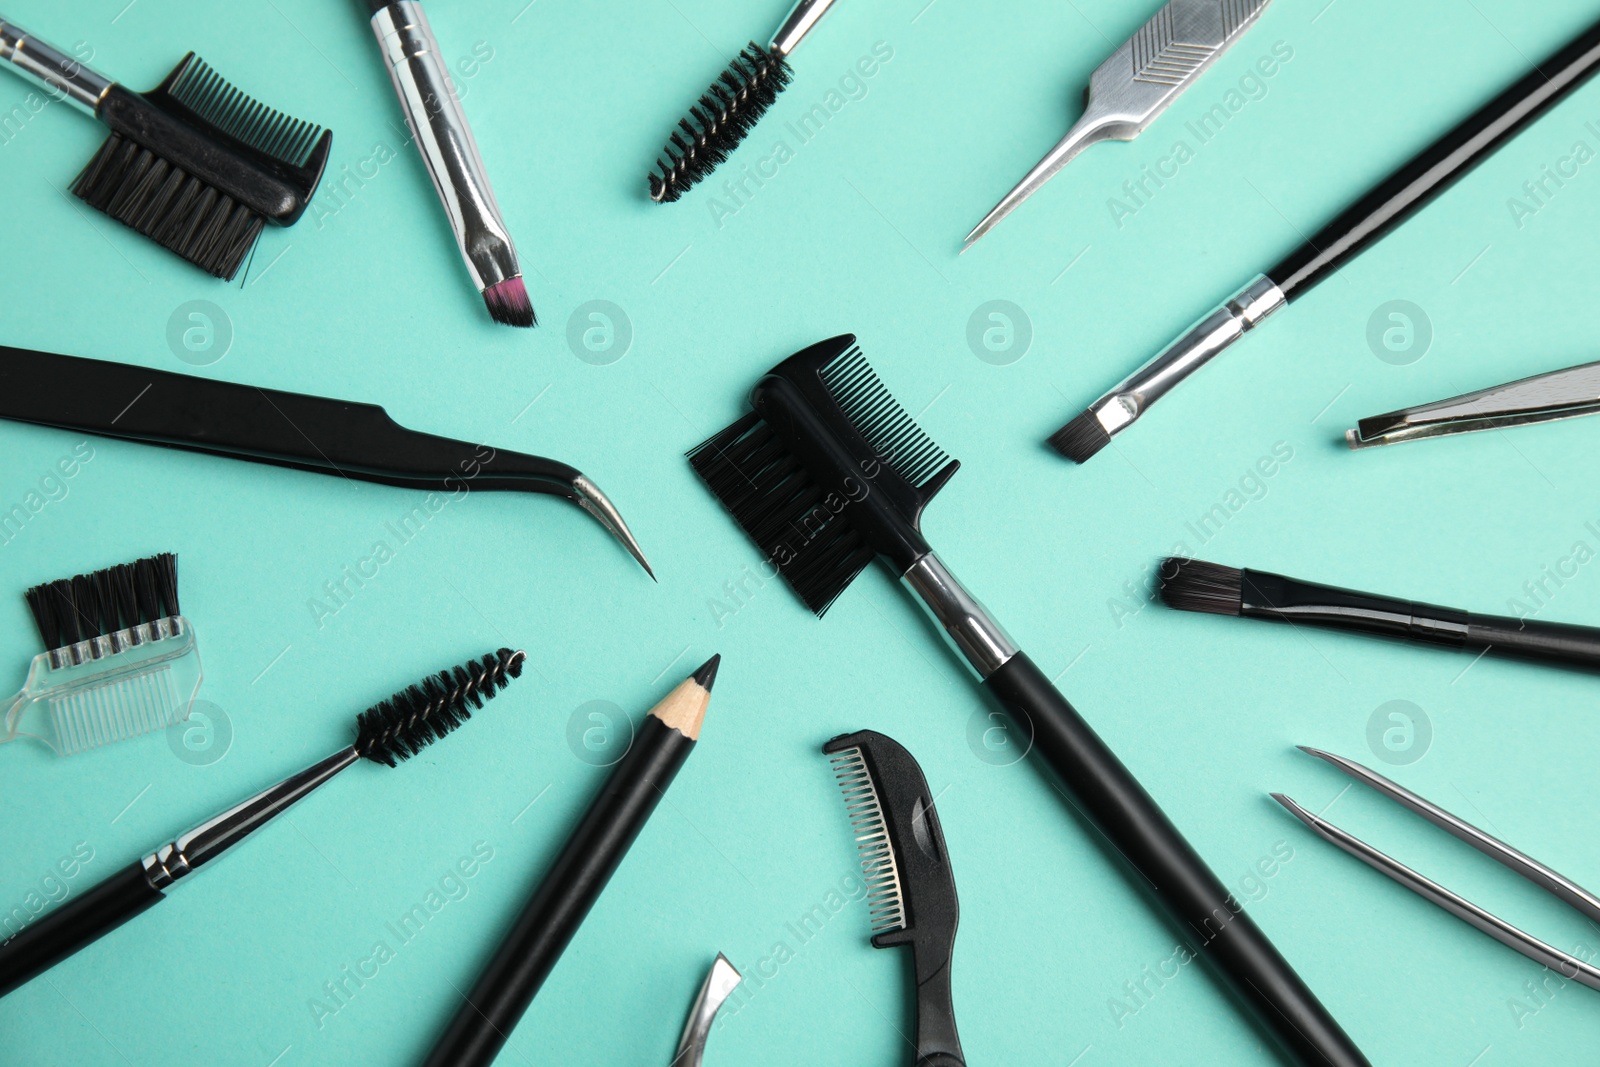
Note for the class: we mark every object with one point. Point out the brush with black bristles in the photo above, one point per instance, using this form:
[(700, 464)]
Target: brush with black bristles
[(829, 473), (389, 733), (119, 659), (194, 164), (1210, 588), (731, 107)]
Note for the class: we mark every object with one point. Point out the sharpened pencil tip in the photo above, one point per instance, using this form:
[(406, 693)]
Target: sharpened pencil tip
[(706, 676)]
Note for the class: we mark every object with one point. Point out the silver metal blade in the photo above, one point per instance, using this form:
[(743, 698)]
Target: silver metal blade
[(1562, 394), (1569, 966), (588, 496), (718, 986), (1138, 82)]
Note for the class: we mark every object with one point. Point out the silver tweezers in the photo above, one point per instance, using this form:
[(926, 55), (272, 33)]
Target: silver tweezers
[(1557, 885), (1142, 78), (720, 983), (1562, 394)]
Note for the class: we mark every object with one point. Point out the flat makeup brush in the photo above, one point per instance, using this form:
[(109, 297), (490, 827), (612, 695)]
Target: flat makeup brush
[(439, 128), (388, 733), (732, 106), (1209, 588), (1408, 190), (194, 164), (829, 473), (309, 433)]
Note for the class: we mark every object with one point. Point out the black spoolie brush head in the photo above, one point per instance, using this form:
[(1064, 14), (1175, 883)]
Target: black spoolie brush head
[(722, 118), (1195, 585), (1080, 439), (411, 720), (70, 610)]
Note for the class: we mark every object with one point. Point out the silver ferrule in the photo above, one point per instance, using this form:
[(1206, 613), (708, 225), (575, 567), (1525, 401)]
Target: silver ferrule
[(214, 836), (1243, 312), (805, 15), (439, 127), (62, 76), (966, 623)]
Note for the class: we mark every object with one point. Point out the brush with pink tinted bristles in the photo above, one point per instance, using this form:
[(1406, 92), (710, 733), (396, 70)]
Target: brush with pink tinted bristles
[(439, 128)]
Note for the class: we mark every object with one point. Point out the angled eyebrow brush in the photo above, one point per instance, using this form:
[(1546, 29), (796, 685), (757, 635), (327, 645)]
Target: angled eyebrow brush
[(829, 473), (1404, 193), (194, 164), (309, 433), (1212, 589), (389, 733), (732, 106)]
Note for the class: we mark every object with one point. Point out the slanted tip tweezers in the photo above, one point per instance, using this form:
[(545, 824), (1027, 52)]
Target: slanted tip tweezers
[(1557, 885), (1562, 394), (309, 433)]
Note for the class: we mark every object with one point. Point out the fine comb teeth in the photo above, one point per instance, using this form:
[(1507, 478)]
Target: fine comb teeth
[(120, 660), (260, 164), (885, 896), (801, 524)]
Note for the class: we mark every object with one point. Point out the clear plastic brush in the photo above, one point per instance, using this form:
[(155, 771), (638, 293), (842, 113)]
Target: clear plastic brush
[(121, 662)]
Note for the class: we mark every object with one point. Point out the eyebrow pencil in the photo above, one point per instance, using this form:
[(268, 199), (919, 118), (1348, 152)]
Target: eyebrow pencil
[(309, 433), (389, 732), (120, 661), (1404, 193), (1137, 84), (439, 128), (829, 473), (1209, 588), (911, 887), (733, 105), (194, 164), (594, 850)]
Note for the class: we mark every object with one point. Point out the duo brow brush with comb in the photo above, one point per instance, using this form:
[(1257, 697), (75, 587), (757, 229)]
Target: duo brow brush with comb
[(829, 473)]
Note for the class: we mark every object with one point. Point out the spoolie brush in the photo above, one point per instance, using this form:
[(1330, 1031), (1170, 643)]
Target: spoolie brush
[(732, 106), (1209, 588), (120, 660), (389, 732), (194, 164)]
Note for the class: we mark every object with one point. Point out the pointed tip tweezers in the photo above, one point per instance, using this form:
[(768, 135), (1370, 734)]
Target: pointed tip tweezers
[(1137, 83), (1557, 885), (720, 983), (311, 433), (1562, 394)]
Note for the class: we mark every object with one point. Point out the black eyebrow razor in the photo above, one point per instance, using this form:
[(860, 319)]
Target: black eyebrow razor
[(911, 890)]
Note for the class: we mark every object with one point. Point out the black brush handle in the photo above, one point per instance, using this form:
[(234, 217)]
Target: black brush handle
[(41, 945), (1578, 646), (1208, 916), (261, 425), (1439, 166)]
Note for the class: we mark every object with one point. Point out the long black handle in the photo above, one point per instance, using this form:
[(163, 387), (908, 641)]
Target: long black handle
[(43, 944), (1578, 646), (938, 1042), (262, 425), (1438, 167), (1209, 917)]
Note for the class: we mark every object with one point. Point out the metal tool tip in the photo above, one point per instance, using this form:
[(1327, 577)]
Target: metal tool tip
[(1295, 809), (588, 496)]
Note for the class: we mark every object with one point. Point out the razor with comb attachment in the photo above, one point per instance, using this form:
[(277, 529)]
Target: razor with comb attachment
[(828, 473), (194, 164), (911, 890), (309, 433)]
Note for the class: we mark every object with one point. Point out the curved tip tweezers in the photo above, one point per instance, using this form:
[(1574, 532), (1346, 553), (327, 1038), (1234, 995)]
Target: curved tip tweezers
[(718, 986), (1559, 886), (309, 433)]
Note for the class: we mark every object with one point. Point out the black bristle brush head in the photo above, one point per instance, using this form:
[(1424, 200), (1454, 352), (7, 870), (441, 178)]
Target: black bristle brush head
[(103, 602), (201, 168), (827, 472), (396, 729), (715, 126), (508, 303), (1081, 439), (1195, 585)]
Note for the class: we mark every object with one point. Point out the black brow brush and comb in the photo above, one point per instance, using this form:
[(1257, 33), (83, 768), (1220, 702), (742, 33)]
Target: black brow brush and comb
[(829, 473), (194, 164)]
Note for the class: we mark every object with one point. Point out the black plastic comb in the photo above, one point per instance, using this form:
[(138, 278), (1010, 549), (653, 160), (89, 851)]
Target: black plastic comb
[(911, 890)]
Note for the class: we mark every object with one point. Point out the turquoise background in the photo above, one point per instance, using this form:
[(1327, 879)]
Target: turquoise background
[(366, 300)]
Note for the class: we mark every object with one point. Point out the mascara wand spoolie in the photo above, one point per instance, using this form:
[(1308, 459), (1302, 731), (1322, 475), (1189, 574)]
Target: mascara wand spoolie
[(389, 733), (732, 106)]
